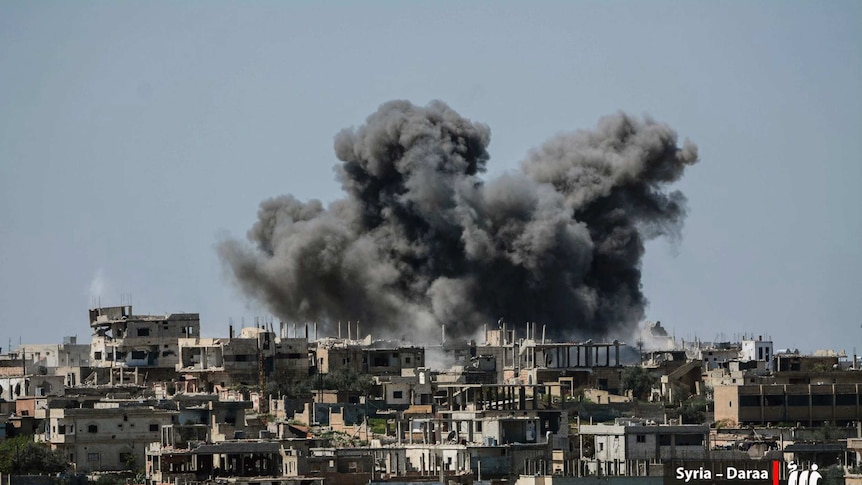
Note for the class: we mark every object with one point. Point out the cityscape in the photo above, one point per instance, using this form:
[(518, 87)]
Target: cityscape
[(467, 243), (149, 400)]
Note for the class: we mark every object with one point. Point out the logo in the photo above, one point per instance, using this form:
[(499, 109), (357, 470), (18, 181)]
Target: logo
[(802, 477)]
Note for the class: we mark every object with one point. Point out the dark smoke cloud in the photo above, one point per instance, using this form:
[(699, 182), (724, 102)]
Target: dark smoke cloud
[(422, 240)]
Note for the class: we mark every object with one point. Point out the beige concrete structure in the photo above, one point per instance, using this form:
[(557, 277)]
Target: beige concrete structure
[(811, 404), (108, 437), (378, 358), (122, 341)]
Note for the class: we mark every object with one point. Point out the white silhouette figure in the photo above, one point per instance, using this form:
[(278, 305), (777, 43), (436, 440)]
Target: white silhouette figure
[(814, 476), (803, 477), (793, 477)]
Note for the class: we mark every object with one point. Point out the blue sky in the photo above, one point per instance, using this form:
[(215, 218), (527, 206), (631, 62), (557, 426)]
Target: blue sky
[(134, 136)]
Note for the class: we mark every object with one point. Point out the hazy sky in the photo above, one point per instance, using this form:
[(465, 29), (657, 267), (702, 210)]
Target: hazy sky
[(135, 136)]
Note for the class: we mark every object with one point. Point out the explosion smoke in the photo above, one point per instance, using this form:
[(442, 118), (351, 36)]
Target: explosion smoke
[(421, 240)]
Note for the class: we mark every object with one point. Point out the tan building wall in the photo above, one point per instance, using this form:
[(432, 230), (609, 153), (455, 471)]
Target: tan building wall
[(105, 439), (782, 403)]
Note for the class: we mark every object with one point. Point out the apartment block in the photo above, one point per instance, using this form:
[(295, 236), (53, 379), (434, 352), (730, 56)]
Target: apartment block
[(107, 437), (809, 404), (123, 340)]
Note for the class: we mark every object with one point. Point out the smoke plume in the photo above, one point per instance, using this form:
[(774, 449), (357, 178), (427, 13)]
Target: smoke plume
[(421, 239)]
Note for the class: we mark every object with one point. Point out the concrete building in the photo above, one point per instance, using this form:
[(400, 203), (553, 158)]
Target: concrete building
[(67, 354), (245, 461), (123, 341), (107, 437), (411, 388), (378, 358), (809, 404), (717, 355), (758, 350), (69, 359), (630, 446)]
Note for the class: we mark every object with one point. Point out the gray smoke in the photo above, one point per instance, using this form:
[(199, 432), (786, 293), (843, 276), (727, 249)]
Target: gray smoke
[(422, 240)]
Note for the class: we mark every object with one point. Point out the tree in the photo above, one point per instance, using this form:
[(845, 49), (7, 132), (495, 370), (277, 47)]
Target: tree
[(692, 410), (349, 380), (23, 456), (639, 381)]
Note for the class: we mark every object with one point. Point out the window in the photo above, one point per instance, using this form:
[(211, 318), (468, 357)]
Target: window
[(97, 355), (478, 426), (397, 394), (154, 427), (760, 353), (139, 354), (821, 399), (92, 428), (601, 446), (845, 399), (689, 439), (143, 332), (407, 360), (92, 457), (61, 429), (797, 400), (641, 438)]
